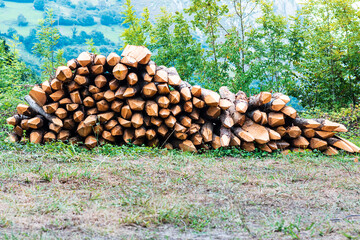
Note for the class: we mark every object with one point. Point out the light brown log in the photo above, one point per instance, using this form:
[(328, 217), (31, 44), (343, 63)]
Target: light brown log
[(112, 59), (164, 113), (63, 73), (117, 131), (140, 132), (225, 136), (69, 124), (243, 135), (63, 135), (274, 105), (72, 64), (194, 128), (75, 97), (225, 104), (124, 122), (114, 84), (255, 115), (92, 111), (90, 120), (38, 95), (120, 93), (146, 77), (151, 68), (339, 144), (83, 129), (36, 136), (163, 89), (116, 106), (281, 96), (216, 142), (305, 123), (100, 81), (196, 139), (93, 89), (226, 119), (276, 119), (61, 113), (265, 148), (273, 134), (78, 116), (49, 137), (83, 71), (188, 107), (173, 77), (129, 61), (51, 108), (54, 127), (71, 107), (352, 145), (175, 110), (241, 102), (132, 78), (272, 145), (293, 131), (341, 128), (45, 86), (281, 130), (198, 103), (324, 134), (282, 144), (170, 121), (162, 130), (163, 102), (187, 146), (289, 111), (18, 131), (161, 75), (259, 132), (185, 93), (130, 92), (100, 60), (126, 112), (36, 122), (140, 53), (98, 129), (152, 109), (180, 128), (91, 142), (330, 151), (211, 98), (195, 114), (235, 141), (213, 112), (185, 121), (300, 142), (137, 120), (316, 143), (102, 106), (89, 102), (136, 104), (128, 135), (309, 132), (259, 99), (24, 124), (149, 90), (327, 125), (56, 96), (156, 121), (150, 134), (56, 84), (104, 117), (239, 118), (84, 59), (196, 91), (107, 136), (81, 80), (264, 119), (97, 69), (72, 86), (207, 132), (248, 146)]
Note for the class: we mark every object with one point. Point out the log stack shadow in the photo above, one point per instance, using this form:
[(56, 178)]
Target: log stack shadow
[(128, 98)]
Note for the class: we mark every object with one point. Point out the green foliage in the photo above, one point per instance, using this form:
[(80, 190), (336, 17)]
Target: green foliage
[(2, 4), (21, 21), (91, 46), (39, 5), (138, 29), (47, 38)]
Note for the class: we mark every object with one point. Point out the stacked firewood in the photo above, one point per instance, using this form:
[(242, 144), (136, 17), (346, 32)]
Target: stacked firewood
[(128, 98)]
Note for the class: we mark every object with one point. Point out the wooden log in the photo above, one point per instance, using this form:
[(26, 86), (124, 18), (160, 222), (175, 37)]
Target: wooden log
[(235, 141), (93, 89), (98, 129), (56, 84), (84, 59), (198, 103), (316, 143), (36, 136), (188, 107), (207, 132), (264, 119), (156, 121), (149, 90), (124, 122), (260, 133), (326, 125), (305, 123), (140, 54), (174, 97), (72, 86), (163, 101), (72, 64), (117, 131), (173, 77), (289, 111), (72, 107), (265, 148), (272, 145), (248, 146), (324, 134), (212, 112), (63, 73), (65, 101), (163, 89), (195, 114), (308, 132), (78, 116), (61, 113), (55, 128), (170, 121), (241, 102), (128, 135), (112, 59), (259, 99), (104, 117), (132, 78), (211, 98), (281, 96), (196, 139), (136, 104), (196, 91), (97, 69), (161, 75), (18, 131), (126, 112), (226, 119), (164, 113), (185, 121), (330, 151), (24, 124), (276, 119), (50, 108), (56, 96), (114, 84), (293, 131), (163, 130), (140, 132), (274, 105), (107, 136), (45, 86), (150, 134), (273, 134), (102, 106), (255, 115), (216, 142), (109, 96), (225, 104), (243, 135), (137, 120), (38, 95), (152, 109), (80, 80), (151, 68), (175, 110), (120, 92), (83, 129), (75, 97), (352, 145), (130, 92), (335, 142), (282, 145), (49, 137), (146, 77), (100, 81), (187, 146), (225, 136), (300, 142), (92, 111), (194, 128), (69, 124), (100, 60), (89, 102), (90, 120), (91, 142), (83, 71), (63, 135)]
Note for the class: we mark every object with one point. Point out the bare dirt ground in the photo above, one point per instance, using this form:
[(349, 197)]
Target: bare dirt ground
[(52, 195)]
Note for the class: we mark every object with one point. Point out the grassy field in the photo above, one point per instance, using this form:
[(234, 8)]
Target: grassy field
[(62, 191)]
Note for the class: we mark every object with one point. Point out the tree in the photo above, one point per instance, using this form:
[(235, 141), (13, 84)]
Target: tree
[(2, 4), (137, 28), (47, 38), (39, 5), (328, 68), (21, 21), (269, 61)]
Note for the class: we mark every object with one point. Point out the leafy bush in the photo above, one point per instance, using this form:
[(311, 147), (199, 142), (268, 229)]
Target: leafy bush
[(66, 21), (110, 17), (22, 21), (86, 20), (2, 4), (39, 5)]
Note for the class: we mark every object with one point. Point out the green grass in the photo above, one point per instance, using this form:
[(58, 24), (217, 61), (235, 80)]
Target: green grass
[(62, 191)]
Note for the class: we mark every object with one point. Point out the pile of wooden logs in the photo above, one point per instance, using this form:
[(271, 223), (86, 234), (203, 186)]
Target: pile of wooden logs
[(128, 98)]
